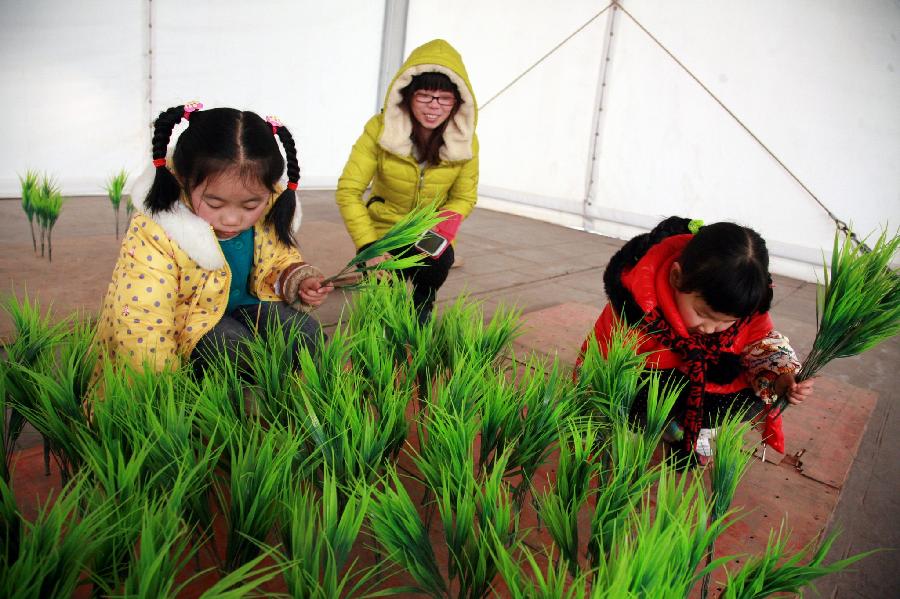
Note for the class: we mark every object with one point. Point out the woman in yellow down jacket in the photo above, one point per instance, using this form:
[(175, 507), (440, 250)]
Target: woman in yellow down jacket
[(422, 147)]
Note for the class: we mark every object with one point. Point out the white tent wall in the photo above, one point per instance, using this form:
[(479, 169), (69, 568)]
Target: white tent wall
[(74, 100), (79, 99), (815, 81), (312, 64)]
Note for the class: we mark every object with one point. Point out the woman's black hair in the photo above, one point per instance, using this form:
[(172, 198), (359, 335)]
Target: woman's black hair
[(219, 139), (728, 265), (430, 150)]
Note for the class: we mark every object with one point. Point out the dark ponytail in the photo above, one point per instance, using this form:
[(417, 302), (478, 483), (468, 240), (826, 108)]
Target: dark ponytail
[(281, 215), (629, 255), (165, 190)]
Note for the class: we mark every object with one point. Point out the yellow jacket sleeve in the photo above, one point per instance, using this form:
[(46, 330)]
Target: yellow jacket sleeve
[(357, 175), (463, 193)]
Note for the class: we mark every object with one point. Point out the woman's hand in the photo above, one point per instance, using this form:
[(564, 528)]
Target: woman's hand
[(787, 386), (312, 292), (378, 260)]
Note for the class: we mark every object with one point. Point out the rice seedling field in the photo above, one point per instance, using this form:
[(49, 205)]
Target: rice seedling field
[(436, 460)]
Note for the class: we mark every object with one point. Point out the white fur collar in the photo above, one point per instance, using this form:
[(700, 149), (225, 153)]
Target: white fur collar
[(192, 233), (460, 130)]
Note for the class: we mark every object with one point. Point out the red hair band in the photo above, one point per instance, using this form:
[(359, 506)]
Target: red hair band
[(292, 185), (190, 107), (158, 162)]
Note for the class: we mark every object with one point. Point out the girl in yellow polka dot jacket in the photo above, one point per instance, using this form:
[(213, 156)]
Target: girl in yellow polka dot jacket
[(210, 255)]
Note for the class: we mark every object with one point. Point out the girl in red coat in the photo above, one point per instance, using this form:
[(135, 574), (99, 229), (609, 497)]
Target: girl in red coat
[(701, 301)]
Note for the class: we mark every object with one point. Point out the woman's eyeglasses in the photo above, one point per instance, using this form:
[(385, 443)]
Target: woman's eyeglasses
[(426, 98)]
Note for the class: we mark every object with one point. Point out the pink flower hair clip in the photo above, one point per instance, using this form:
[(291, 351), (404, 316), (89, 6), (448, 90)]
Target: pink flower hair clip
[(274, 123), (189, 107)]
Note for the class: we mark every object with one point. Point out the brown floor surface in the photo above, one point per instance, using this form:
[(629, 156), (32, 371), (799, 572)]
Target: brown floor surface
[(540, 266)]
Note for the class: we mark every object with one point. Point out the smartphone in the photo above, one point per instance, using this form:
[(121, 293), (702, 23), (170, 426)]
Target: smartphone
[(432, 244)]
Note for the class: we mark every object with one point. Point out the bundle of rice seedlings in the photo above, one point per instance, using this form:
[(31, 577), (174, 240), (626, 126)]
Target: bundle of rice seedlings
[(35, 336), (609, 384), (59, 384), (400, 531), (776, 572), (858, 303), (115, 186), (404, 233), (527, 580), (56, 549), (261, 466), (318, 533), (47, 203), (625, 477), (29, 184), (559, 506)]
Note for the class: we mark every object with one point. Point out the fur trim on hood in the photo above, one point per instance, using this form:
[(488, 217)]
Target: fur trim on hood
[(192, 234)]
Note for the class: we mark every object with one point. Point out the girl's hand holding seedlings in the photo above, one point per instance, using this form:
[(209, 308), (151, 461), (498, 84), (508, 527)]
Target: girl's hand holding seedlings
[(312, 292), (787, 386)]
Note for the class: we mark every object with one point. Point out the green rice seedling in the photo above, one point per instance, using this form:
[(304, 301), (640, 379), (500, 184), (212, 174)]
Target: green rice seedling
[(400, 531), (526, 580), (500, 411), (220, 404), (29, 185), (268, 368), (655, 550), (323, 367), (60, 383), (609, 384), (119, 481), (47, 202), (471, 540), (462, 333), (661, 397), (35, 336), (5, 415), (346, 434), (386, 386), (164, 551), (730, 464), (261, 462), (318, 534), (11, 525), (129, 209), (559, 506), (548, 404), (775, 571), (446, 450), (56, 549), (625, 477), (407, 231), (115, 186), (144, 407), (858, 304)]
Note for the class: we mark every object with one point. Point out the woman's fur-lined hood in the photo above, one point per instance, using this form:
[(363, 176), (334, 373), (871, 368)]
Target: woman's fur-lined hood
[(434, 56), (193, 234)]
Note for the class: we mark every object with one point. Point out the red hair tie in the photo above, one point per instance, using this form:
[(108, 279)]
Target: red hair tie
[(190, 107), (274, 123), (158, 162), (292, 185)]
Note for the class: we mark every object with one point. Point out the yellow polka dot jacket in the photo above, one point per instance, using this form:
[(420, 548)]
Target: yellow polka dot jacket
[(383, 156), (171, 281)]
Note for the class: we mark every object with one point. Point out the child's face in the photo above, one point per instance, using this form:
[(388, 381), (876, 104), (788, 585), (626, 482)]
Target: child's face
[(695, 313), (698, 317), (230, 204)]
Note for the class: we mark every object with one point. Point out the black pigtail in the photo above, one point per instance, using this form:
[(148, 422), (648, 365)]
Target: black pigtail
[(630, 254), (165, 190), (281, 215)]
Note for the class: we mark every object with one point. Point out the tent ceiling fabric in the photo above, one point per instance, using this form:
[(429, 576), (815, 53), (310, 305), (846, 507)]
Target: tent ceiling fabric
[(814, 81)]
